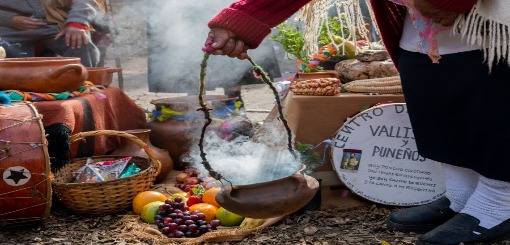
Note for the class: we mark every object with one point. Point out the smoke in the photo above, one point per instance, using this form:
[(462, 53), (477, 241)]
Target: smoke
[(243, 161), (176, 32)]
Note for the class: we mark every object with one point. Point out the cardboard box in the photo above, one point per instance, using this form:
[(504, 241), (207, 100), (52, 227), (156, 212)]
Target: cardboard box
[(314, 119)]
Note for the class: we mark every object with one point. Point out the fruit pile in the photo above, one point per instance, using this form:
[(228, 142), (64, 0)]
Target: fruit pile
[(189, 213), (175, 220)]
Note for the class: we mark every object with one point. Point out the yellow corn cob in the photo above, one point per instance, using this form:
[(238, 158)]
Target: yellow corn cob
[(375, 85), (374, 89), (249, 223), (383, 81)]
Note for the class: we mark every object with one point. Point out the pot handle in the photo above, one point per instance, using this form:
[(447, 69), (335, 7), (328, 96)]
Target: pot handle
[(78, 68), (113, 70)]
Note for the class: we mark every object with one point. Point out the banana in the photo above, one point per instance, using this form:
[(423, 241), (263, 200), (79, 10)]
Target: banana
[(249, 223)]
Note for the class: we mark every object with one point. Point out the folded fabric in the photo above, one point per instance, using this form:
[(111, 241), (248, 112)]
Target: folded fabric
[(87, 88)]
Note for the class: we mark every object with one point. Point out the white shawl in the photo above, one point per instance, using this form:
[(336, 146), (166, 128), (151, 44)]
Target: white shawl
[(487, 25)]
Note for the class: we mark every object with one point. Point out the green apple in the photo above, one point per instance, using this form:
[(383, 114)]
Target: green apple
[(149, 211)]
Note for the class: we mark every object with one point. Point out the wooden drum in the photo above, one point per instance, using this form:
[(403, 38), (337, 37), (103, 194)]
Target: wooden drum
[(25, 188)]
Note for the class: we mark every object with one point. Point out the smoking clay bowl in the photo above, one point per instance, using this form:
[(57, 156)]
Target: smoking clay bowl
[(269, 199)]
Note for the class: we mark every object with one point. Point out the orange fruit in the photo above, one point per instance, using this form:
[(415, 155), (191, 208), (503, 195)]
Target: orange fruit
[(207, 209), (209, 196), (145, 197)]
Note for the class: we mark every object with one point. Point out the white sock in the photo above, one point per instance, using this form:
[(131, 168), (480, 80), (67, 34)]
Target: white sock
[(490, 203), (460, 184)]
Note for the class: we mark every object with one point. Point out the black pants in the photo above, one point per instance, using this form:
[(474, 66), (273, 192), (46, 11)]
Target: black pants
[(460, 113)]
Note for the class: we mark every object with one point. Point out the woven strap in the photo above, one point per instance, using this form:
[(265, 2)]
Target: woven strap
[(131, 137)]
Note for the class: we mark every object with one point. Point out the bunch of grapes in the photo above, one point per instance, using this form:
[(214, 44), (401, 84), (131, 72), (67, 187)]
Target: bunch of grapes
[(175, 220)]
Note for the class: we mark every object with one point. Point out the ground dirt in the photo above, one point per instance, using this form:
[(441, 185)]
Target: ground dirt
[(363, 225)]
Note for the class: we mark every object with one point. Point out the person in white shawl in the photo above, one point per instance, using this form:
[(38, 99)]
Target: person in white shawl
[(456, 83)]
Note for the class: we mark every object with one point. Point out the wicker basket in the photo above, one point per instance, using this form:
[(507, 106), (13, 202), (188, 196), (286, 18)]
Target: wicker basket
[(106, 197)]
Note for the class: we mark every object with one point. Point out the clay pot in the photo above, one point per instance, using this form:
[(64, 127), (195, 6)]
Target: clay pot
[(102, 75), (176, 135), (42, 74), (129, 148), (269, 199)]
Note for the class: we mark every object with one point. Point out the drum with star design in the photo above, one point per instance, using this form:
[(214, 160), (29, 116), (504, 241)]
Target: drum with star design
[(25, 188)]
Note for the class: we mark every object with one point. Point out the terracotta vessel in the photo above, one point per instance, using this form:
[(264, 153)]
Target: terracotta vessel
[(177, 134), (42, 74), (269, 199), (102, 75), (129, 148)]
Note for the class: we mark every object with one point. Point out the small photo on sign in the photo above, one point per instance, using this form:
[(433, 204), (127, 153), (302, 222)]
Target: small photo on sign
[(351, 159)]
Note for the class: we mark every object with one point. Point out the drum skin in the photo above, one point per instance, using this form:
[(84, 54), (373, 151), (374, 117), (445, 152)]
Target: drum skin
[(25, 188)]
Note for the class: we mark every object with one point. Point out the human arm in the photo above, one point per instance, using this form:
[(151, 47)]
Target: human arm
[(76, 31), (443, 12), (246, 23), (19, 16), (26, 23)]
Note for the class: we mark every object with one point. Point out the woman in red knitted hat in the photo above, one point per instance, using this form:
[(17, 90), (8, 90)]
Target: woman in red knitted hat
[(452, 56)]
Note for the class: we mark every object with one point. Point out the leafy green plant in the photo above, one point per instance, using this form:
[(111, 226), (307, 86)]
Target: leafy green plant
[(292, 40), (308, 156)]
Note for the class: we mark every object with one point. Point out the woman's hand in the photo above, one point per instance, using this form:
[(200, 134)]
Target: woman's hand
[(223, 42), (438, 15), (24, 23)]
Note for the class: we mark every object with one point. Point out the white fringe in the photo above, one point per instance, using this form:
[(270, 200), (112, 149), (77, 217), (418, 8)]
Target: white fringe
[(315, 14), (490, 35), (372, 18)]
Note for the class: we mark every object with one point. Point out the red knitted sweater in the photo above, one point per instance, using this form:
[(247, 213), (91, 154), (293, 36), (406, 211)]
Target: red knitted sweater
[(252, 20)]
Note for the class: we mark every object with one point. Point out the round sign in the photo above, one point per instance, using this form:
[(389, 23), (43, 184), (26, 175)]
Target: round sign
[(375, 156)]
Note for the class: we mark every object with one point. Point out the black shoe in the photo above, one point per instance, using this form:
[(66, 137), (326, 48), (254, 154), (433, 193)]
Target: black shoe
[(464, 228), (422, 218)]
